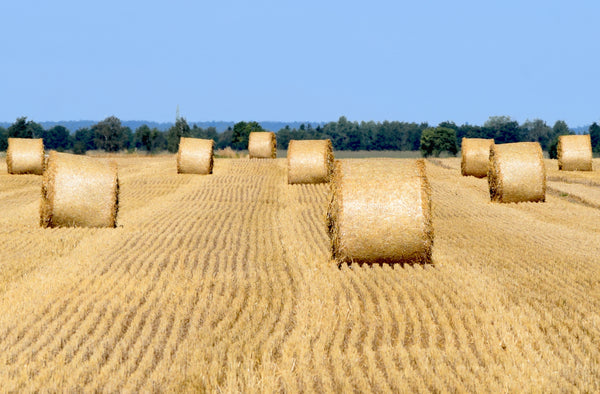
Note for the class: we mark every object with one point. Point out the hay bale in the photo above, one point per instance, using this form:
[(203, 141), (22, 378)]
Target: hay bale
[(195, 156), (517, 173), (309, 161), (574, 152), (262, 145), (380, 212), (79, 191), (25, 156), (475, 155)]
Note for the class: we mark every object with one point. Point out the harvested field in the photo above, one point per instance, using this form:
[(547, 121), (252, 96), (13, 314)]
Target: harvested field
[(225, 283)]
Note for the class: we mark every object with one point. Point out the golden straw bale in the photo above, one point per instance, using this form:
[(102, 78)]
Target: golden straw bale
[(262, 145), (309, 161), (195, 156), (517, 173), (79, 191), (475, 153), (380, 212), (25, 156), (574, 152)]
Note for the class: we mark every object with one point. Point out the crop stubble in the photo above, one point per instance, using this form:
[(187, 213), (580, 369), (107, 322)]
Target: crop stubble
[(225, 282)]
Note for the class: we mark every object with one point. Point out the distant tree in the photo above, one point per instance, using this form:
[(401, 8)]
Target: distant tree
[(502, 129), (437, 140), (241, 133), (595, 136), (210, 133), (559, 128), (178, 130), (538, 130), (224, 139), (3, 139), (143, 138), (110, 135), (22, 128), (57, 138), (83, 141)]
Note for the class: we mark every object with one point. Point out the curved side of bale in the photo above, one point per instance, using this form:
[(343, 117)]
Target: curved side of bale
[(262, 145), (574, 152), (517, 173), (195, 156), (79, 191), (475, 154), (380, 212), (25, 156), (309, 161)]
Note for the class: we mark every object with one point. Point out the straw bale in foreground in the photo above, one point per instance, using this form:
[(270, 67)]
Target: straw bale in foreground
[(380, 212), (195, 156), (262, 145), (517, 173), (79, 191), (25, 156), (475, 155), (309, 161), (574, 152)]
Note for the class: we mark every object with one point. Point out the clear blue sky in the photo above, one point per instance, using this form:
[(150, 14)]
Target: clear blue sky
[(303, 60)]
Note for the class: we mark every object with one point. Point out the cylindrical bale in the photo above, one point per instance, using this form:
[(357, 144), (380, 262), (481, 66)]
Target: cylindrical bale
[(79, 191), (517, 173), (475, 155), (25, 156), (195, 156), (380, 212), (262, 145), (574, 152), (309, 161)]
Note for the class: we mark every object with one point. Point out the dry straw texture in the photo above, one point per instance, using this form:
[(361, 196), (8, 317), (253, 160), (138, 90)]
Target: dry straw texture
[(574, 152), (380, 212), (309, 161), (195, 156), (79, 191), (25, 156), (475, 153), (262, 145), (517, 172)]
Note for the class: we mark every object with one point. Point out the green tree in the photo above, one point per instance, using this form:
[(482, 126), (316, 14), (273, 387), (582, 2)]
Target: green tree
[(83, 141), (181, 128), (538, 130), (437, 140), (110, 135), (595, 136), (22, 128), (57, 137), (559, 128), (3, 139), (241, 133), (143, 138), (502, 129)]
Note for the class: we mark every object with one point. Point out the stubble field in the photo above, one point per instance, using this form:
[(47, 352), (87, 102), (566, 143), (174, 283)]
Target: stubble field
[(224, 282)]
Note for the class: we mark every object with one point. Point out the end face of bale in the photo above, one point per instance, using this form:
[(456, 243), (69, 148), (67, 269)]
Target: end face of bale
[(475, 154), (262, 145), (517, 173), (309, 161), (574, 152), (79, 191), (380, 212), (25, 156), (195, 156)]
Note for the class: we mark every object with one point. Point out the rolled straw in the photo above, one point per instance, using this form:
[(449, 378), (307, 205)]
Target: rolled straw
[(475, 155), (309, 161), (25, 156), (574, 152), (195, 156), (262, 145), (79, 191)]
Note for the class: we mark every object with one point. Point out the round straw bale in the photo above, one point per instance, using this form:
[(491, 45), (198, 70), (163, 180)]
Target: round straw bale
[(574, 152), (309, 161), (380, 212), (195, 156), (25, 156), (517, 173), (262, 145), (79, 191), (475, 154)]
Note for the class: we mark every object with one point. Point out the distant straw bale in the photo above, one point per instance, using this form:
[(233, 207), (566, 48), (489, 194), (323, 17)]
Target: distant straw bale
[(574, 152), (475, 153), (195, 156), (380, 212), (25, 156), (517, 173), (262, 145), (79, 191), (309, 161)]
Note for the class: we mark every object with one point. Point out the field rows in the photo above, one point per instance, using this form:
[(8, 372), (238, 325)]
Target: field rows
[(225, 282)]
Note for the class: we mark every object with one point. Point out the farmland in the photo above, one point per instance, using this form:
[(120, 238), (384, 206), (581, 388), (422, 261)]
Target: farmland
[(224, 282)]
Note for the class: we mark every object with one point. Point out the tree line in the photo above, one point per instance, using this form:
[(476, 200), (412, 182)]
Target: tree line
[(110, 135)]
